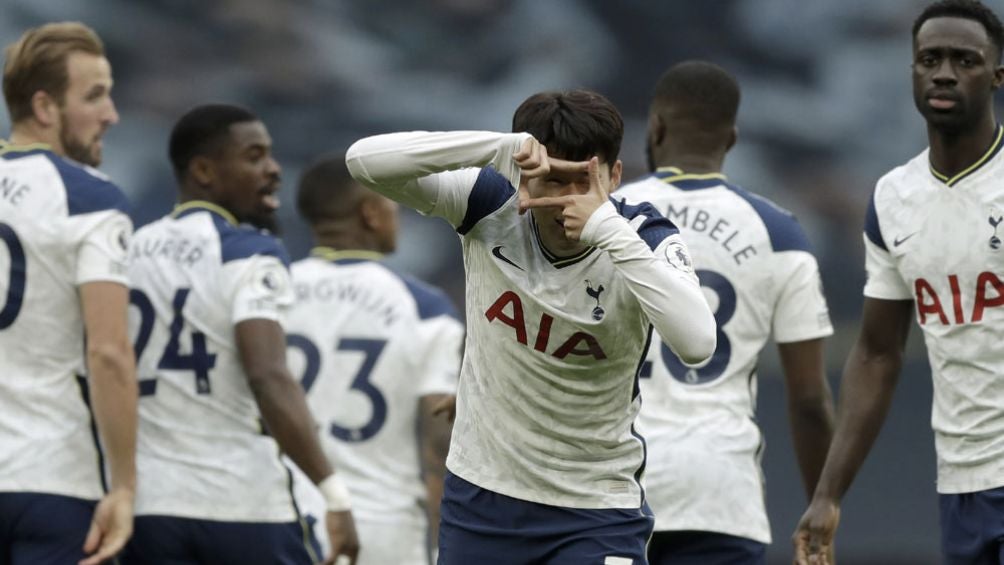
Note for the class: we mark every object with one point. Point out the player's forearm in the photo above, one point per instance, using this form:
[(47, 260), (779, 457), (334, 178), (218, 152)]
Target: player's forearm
[(113, 393), (287, 416), (673, 303), (865, 394), (434, 431), (811, 422), (395, 158)]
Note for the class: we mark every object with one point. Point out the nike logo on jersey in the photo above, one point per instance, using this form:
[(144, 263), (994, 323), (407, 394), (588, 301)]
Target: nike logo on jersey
[(900, 241), (497, 252)]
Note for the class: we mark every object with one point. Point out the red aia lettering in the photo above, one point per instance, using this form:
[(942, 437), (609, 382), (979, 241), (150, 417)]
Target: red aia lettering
[(989, 294), (580, 343)]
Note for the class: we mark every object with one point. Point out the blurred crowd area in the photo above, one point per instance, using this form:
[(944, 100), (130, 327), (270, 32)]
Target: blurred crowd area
[(826, 110)]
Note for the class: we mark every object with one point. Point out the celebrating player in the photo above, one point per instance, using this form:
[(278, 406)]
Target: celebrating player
[(65, 232), (703, 480), (544, 463), (933, 251), (210, 296), (380, 351)]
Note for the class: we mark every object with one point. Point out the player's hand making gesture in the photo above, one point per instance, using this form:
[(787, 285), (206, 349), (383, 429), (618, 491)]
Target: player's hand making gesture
[(576, 207), (814, 537)]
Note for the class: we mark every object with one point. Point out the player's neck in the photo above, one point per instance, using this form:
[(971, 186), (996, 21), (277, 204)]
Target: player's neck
[(954, 151), (691, 163), (345, 239), (28, 133)]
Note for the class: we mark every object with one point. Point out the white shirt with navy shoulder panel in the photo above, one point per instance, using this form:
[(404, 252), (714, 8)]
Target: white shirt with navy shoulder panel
[(367, 344), (937, 240), (548, 389), (755, 263), (202, 451), (62, 225)]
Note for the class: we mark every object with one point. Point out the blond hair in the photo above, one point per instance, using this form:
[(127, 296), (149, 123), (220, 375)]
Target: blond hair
[(37, 62)]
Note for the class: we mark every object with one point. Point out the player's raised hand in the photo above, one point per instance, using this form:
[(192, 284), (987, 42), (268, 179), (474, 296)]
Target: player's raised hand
[(814, 537), (344, 539), (533, 162), (575, 208), (110, 527)]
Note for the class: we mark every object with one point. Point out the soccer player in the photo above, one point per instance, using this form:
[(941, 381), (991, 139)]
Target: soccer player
[(380, 351), (64, 233), (217, 401), (933, 251), (703, 479), (544, 463)]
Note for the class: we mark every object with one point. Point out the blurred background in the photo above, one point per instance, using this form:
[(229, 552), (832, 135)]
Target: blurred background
[(826, 110)]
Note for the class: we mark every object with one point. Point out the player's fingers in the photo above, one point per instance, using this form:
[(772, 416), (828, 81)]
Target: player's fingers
[(563, 166), (545, 202), (595, 185), (93, 539), (111, 543), (526, 150)]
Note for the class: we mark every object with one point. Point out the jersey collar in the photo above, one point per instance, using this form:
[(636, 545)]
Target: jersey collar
[(995, 147), (687, 181), (8, 147), (345, 255), (556, 261), (192, 206)]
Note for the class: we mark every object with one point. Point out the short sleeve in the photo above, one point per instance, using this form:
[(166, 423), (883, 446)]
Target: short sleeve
[(884, 280), (103, 252), (800, 312), (261, 288), (442, 340)]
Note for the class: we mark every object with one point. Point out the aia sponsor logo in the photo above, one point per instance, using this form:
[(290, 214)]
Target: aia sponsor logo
[(988, 293)]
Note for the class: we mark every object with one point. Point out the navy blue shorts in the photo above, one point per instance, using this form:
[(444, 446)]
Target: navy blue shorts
[(39, 529), (704, 548), (169, 540), (972, 527), (483, 527)]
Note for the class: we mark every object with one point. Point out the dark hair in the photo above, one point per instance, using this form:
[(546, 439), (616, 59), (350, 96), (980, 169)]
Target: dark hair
[(574, 124), (967, 9), (37, 61), (707, 92), (201, 131), (326, 190)]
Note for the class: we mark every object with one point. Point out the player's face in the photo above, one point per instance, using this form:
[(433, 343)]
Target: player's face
[(549, 220), (247, 177), (955, 72), (87, 110)]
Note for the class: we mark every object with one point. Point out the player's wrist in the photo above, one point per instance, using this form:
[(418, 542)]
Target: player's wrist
[(336, 494)]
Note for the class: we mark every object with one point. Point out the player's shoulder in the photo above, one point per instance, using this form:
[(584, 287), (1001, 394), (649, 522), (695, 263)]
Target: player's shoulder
[(646, 219), (430, 301), (237, 241), (782, 227), (243, 242), (87, 189), (900, 182)]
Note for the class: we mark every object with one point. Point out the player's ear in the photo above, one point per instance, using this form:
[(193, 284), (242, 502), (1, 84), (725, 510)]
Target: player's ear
[(998, 77), (733, 138), (202, 170), (656, 129), (616, 170), (45, 108), (370, 214)]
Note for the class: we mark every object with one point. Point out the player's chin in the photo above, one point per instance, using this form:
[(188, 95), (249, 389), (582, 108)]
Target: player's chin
[(266, 220)]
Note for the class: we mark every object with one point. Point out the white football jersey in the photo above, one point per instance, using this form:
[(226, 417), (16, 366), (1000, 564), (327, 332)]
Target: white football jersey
[(754, 262), (202, 450), (61, 225), (367, 344), (937, 241), (548, 389)]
